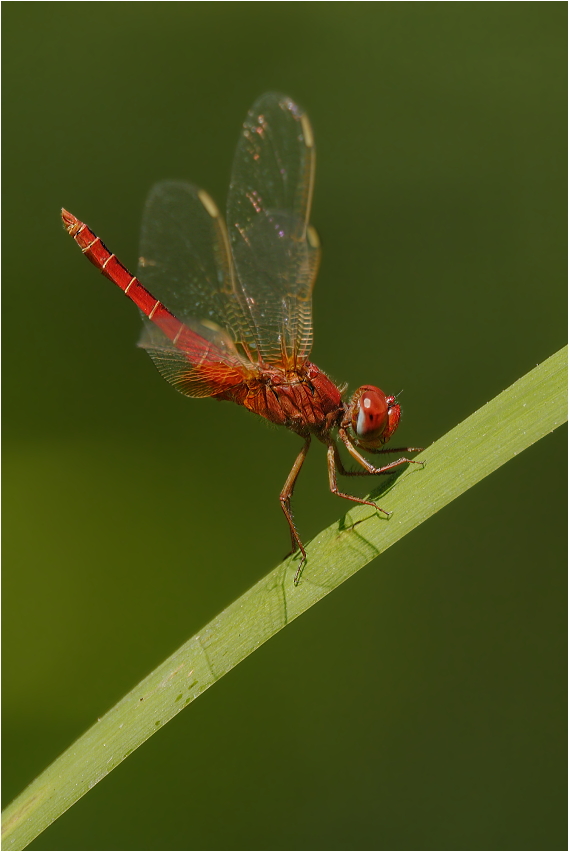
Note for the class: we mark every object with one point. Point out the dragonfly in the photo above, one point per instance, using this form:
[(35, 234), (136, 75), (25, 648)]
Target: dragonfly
[(227, 304)]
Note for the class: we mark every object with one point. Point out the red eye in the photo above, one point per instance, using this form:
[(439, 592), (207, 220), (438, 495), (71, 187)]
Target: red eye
[(369, 413), (374, 416)]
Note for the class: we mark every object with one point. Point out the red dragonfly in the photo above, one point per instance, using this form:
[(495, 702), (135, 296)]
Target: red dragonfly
[(227, 310)]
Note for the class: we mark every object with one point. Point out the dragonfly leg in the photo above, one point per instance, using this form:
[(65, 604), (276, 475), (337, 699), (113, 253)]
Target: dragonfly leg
[(285, 497), (385, 450), (369, 469), (335, 464)]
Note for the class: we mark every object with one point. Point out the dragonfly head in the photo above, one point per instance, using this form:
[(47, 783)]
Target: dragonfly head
[(374, 417)]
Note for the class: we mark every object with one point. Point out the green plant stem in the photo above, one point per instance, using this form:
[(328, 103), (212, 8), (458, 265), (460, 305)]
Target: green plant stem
[(521, 415)]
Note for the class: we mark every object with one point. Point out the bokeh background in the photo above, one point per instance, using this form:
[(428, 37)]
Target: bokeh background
[(422, 705)]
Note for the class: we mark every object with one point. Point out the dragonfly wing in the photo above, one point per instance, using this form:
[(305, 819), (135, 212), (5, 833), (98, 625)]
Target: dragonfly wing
[(185, 262), (274, 250), (195, 366)]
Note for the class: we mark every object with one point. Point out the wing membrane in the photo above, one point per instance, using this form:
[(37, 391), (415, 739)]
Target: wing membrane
[(185, 263), (194, 366), (275, 253), (246, 293), (185, 260)]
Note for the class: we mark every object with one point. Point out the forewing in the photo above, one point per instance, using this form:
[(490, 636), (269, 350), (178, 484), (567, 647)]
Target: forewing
[(274, 251)]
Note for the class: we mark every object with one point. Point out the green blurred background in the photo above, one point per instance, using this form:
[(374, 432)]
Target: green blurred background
[(422, 705)]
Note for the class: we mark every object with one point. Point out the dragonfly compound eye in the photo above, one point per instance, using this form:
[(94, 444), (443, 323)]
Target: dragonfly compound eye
[(370, 414)]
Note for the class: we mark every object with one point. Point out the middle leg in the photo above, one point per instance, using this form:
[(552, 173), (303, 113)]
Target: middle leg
[(335, 464)]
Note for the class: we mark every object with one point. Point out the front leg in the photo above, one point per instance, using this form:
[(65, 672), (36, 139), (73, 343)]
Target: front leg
[(378, 451), (369, 469)]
